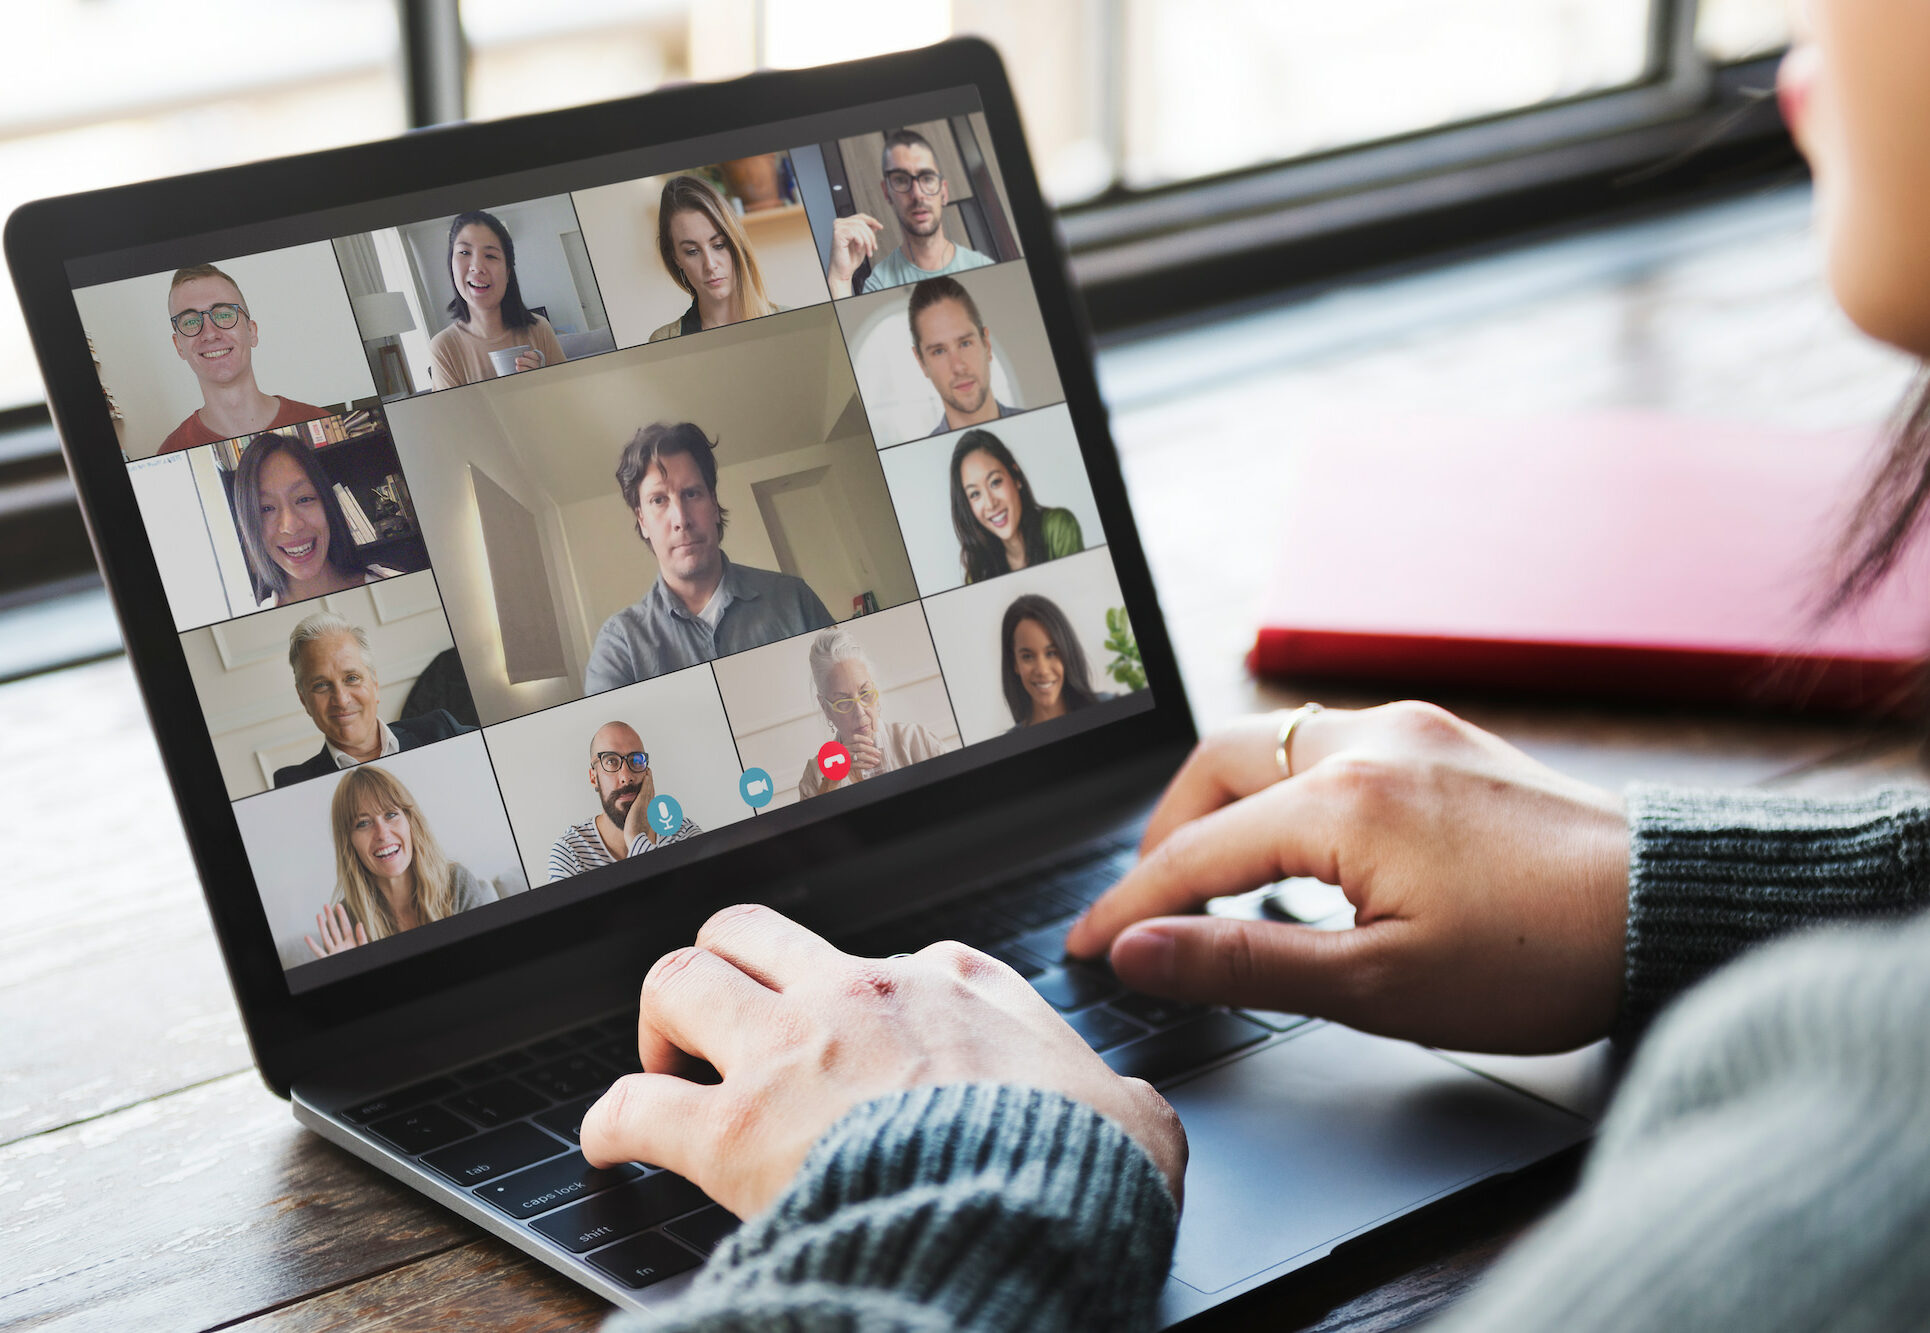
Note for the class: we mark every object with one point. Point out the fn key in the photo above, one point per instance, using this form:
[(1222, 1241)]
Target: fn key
[(1188, 1046)]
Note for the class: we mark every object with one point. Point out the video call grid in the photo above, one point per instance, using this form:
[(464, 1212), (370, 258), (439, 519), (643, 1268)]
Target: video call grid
[(429, 536)]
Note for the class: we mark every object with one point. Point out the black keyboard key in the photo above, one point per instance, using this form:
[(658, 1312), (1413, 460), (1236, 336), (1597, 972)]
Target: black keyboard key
[(1023, 963), (1188, 1046), (1076, 985), (566, 1121), (498, 1103), (1086, 886), (548, 1048), (621, 1212), (584, 1035), (400, 1100), (483, 1071), (644, 1259), (1035, 907), (1048, 945), (1274, 1019), (705, 1231), (423, 1130), (1155, 1012), (620, 1053), (572, 1076), (979, 928), (496, 1153), (619, 1025), (1102, 1028), (553, 1184)]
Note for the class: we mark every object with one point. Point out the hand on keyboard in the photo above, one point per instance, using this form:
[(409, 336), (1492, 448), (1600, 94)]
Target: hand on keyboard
[(1490, 892), (802, 1033)]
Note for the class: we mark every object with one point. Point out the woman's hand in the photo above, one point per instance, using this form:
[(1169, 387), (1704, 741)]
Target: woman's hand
[(530, 360), (803, 1033), (1490, 893), (866, 757), (853, 240), (338, 932)]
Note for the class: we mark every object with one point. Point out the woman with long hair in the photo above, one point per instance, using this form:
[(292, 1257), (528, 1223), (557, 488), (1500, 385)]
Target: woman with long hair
[(487, 309), (293, 533), (1042, 667), (390, 872), (705, 252), (999, 522)]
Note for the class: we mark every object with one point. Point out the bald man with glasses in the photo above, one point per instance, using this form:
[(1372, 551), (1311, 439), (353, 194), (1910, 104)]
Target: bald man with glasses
[(918, 193), (216, 336), (621, 776)]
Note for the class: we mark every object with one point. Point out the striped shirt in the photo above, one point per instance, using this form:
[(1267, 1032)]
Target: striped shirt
[(581, 847)]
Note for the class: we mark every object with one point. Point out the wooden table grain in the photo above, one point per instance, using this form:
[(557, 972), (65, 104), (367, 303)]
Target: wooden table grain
[(149, 1180)]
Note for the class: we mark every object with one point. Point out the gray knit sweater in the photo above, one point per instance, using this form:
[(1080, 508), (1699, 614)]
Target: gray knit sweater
[(1766, 1165)]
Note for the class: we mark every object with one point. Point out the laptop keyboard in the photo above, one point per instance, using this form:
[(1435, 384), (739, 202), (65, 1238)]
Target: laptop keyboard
[(505, 1128)]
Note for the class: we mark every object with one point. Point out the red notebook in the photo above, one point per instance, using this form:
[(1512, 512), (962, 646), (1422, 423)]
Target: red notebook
[(1620, 554)]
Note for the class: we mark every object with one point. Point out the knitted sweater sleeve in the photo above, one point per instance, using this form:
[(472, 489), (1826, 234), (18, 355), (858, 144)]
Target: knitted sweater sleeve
[(1711, 874), (964, 1207)]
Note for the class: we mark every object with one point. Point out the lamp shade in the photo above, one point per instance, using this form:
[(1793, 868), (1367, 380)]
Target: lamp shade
[(382, 314)]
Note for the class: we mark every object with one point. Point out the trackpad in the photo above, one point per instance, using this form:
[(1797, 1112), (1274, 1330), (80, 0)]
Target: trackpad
[(1307, 1142)]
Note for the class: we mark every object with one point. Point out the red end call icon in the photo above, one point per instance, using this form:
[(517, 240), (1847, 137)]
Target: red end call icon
[(834, 761)]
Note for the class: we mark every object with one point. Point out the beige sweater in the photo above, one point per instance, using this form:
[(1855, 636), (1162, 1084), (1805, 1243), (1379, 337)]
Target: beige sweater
[(462, 357)]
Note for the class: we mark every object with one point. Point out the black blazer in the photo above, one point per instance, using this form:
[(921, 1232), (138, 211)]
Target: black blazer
[(409, 733)]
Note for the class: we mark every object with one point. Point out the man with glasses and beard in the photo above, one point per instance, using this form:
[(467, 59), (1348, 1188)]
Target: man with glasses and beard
[(918, 193), (621, 776), (216, 336)]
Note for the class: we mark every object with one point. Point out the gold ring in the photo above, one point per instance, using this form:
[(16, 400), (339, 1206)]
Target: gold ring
[(1283, 746)]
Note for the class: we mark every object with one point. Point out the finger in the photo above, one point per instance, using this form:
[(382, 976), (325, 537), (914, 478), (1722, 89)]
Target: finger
[(1291, 828), (1262, 965), (313, 947), (647, 1118), (1239, 761), (361, 933), (695, 1003), (768, 945), (870, 221)]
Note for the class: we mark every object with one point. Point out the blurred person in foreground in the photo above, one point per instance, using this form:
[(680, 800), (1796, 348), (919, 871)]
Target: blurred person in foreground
[(916, 1145)]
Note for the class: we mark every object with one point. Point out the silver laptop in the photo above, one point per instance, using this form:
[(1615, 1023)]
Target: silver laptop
[(532, 537)]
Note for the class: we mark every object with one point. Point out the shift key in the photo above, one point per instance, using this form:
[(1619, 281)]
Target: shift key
[(621, 1212)]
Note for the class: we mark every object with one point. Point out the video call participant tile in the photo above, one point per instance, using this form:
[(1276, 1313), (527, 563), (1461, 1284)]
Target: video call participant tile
[(1022, 650), (493, 290), (552, 589), (278, 518), (383, 850), (224, 349), (299, 693), (907, 202), (702, 248), (826, 711), (948, 353), (619, 776), (976, 504)]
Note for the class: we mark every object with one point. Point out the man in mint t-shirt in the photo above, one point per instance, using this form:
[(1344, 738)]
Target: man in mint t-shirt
[(918, 194)]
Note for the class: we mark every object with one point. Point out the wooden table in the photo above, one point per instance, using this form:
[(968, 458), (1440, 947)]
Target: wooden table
[(147, 1178)]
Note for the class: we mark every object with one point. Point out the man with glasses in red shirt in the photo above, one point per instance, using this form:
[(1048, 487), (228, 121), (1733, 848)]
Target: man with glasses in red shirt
[(918, 193), (621, 776), (215, 335)]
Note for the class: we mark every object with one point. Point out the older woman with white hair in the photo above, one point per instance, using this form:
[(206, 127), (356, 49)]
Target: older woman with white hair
[(847, 691)]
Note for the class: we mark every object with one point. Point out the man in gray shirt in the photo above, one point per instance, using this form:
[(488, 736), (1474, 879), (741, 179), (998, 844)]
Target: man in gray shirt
[(701, 606)]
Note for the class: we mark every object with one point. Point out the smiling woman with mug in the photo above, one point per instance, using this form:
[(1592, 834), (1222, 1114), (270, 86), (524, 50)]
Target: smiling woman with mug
[(490, 317), (846, 685), (705, 252), (390, 872)]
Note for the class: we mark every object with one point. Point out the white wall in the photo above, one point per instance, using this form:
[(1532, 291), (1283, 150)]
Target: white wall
[(965, 626), (192, 534), (543, 273), (543, 761), (773, 708), (921, 479), (902, 403), (620, 229), (292, 849), (309, 348), (439, 436), (247, 692)]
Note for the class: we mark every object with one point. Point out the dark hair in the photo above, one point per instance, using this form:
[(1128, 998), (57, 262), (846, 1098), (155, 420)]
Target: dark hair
[(929, 292), (515, 314), (904, 139), (269, 576), (654, 443), (1078, 677), (1891, 511), (982, 554)]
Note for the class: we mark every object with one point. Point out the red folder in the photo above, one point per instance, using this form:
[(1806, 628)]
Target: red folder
[(1621, 554)]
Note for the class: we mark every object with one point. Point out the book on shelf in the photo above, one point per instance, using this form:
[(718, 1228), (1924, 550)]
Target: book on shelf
[(358, 522)]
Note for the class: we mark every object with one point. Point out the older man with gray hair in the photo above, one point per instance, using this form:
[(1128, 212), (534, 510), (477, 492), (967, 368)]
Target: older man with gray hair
[(337, 685)]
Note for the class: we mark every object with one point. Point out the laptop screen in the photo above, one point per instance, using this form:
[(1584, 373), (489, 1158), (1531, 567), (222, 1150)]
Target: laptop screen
[(529, 538)]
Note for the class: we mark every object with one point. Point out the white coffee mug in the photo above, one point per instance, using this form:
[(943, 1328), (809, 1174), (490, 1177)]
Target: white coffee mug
[(505, 360)]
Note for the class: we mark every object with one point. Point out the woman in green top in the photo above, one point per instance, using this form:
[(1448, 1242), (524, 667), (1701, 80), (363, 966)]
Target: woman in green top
[(1001, 525)]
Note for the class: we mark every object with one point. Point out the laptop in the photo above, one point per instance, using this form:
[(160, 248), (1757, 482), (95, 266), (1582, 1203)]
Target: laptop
[(532, 537)]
